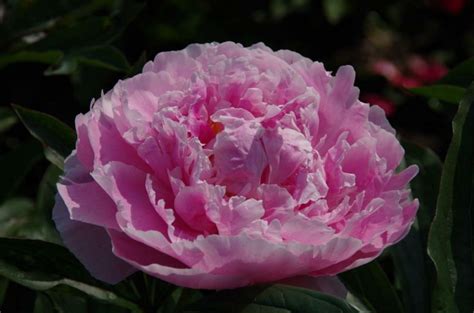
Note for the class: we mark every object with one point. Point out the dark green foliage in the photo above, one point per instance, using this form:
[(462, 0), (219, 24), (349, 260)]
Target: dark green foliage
[(275, 299), (450, 243), (371, 285)]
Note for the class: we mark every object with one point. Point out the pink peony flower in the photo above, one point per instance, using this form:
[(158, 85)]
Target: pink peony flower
[(222, 166)]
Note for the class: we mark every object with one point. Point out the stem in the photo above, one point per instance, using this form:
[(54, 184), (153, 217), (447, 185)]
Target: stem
[(153, 292), (135, 289)]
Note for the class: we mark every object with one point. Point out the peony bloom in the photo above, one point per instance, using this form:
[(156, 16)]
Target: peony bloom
[(222, 166)]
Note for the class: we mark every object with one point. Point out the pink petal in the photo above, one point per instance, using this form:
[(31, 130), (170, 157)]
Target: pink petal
[(91, 245), (302, 229), (286, 151), (191, 204), (87, 202), (83, 147), (276, 200), (239, 156), (235, 215), (125, 185)]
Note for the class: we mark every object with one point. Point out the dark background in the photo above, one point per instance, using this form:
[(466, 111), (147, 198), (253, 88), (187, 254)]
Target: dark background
[(335, 32), (55, 56)]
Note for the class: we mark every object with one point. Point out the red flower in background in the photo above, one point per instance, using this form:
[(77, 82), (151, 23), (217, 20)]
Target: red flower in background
[(416, 71), (386, 104), (424, 70), (411, 72), (450, 6)]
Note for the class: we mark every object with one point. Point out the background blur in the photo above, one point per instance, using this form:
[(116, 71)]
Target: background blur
[(57, 55)]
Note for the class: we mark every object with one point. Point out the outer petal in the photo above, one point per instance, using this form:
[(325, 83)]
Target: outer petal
[(146, 259), (88, 203), (83, 146), (125, 185), (91, 245)]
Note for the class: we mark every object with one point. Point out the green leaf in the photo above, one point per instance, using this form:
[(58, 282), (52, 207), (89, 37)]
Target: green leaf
[(34, 16), (20, 217), (371, 285), (92, 31), (47, 189), (54, 157), (179, 299), (448, 93), (275, 299), (137, 66), (170, 303), (53, 133), (96, 77), (3, 289), (67, 66), (43, 304), (7, 119), (68, 301), (413, 268), (46, 57), (425, 185), (42, 266), (106, 57), (65, 302), (65, 25), (45, 202), (14, 166), (336, 10), (462, 75), (14, 215), (450, 242), (89, 32)]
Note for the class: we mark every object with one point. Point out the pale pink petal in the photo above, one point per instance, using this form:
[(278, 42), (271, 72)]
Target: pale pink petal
[(235, 215), (91, 245), (286, 151), (377, 116), (191, 204), (401, 179), (239, 156), (87, 202), (302, 229), (103, 133), (276, 200), (176, 64), (125, 185), (83, 147)]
